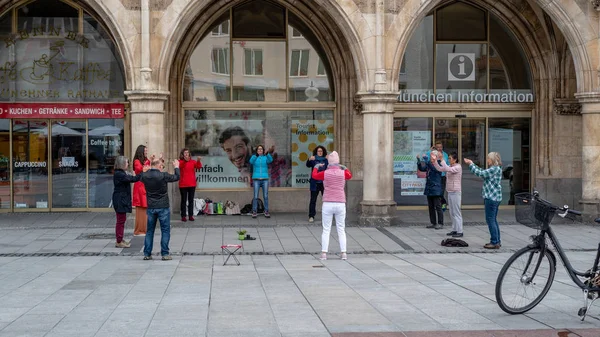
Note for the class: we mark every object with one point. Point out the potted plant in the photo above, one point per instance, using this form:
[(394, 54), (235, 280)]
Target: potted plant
[(241, 234)]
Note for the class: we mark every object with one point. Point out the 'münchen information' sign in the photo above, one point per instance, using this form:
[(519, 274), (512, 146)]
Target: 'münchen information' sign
[(464, 97)]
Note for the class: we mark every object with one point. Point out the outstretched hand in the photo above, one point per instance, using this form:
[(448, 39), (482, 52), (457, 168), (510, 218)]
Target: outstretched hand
[(468, 161), (176, 163)]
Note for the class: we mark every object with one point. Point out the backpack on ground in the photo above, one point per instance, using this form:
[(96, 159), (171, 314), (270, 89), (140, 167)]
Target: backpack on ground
[(454, 243)]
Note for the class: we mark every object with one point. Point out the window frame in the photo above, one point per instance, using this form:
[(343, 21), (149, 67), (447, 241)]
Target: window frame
[(300, 59), (253, 62), (225, 52)]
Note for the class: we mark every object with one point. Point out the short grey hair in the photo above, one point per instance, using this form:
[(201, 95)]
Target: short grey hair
[(121, 163), (494, 157), (435, 153)]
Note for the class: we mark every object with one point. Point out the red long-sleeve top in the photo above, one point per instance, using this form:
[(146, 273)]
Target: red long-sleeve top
[(187, 172)]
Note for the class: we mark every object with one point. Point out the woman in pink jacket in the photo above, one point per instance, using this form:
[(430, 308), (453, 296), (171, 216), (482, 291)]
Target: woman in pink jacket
[(334, 201), (453, 186)]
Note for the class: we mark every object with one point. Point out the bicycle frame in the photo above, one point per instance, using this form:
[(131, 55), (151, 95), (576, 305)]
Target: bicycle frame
[(540, 242)]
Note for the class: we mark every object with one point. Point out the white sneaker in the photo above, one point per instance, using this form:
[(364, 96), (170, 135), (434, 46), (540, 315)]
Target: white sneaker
[(311, 219), (344, 256), (323, 256)]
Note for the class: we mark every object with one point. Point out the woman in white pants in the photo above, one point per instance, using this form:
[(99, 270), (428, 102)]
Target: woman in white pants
[(453, 186), (334, 201)]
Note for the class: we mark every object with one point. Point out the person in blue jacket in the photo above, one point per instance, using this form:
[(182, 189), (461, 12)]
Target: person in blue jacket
[(319, 157), (433, 188), (260, 177)]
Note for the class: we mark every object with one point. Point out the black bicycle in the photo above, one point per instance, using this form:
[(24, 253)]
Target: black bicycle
[(527, 275)]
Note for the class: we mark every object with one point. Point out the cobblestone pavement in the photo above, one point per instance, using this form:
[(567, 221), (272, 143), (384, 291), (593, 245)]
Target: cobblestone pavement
[(278, 295), (62, 276)]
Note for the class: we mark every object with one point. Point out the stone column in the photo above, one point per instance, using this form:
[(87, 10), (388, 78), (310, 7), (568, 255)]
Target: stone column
[(590, 139), (147, 119), (378, 205)]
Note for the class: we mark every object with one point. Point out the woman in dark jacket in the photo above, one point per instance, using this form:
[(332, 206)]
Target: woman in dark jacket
[(121, 198), (433, 189), (319, 157)]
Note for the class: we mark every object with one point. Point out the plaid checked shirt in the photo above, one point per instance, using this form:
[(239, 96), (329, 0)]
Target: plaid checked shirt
[(492, 189)]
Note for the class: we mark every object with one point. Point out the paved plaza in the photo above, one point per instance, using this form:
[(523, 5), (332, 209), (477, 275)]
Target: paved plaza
[(62, 276)]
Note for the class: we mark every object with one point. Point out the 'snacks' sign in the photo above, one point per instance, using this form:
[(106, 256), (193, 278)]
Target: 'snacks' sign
[(61, 110)]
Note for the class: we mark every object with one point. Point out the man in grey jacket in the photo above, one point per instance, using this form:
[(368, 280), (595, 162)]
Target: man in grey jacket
[(157, 196)]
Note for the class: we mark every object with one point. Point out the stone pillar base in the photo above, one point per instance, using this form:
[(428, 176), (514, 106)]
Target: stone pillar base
[(377, 213), (590, 209)]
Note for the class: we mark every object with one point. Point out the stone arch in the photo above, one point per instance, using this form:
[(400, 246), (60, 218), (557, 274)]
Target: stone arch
[(104, 16), (576, 35), (324, 17)]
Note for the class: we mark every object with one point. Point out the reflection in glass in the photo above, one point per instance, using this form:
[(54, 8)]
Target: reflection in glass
[(461, 22), (106, 81), (412, 137), (105, 138), (259, 19), (473, 147), (446, 131), (461, 67), (416, 74), (227, 139), (30, 164), (7, 59), (4, 163), (509, 68), (307, 70), (207, 76), (69, 185), (269, 84), (510, 138)]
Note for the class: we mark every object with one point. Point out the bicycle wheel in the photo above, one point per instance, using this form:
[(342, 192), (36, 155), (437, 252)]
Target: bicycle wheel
[(516, 291)]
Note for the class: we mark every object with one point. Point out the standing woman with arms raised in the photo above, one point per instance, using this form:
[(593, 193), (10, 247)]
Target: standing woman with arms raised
[(187, 182), (260, 177), (319, 157), (491, 193), (140, 159)]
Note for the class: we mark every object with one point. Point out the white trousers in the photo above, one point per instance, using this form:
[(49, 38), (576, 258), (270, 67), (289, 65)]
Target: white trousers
[(328, 210), (454, 200)]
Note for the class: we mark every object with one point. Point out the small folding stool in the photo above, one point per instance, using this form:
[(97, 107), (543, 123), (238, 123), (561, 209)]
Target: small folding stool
[(230, 250)]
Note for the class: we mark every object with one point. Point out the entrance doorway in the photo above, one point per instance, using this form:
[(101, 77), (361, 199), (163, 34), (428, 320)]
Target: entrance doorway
[(471, 138)]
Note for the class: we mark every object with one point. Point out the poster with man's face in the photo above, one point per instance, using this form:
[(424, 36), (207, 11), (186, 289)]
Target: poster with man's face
[(227, 139)]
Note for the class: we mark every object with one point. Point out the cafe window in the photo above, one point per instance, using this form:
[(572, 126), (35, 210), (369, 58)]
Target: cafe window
[(469, 51), (52, 51)]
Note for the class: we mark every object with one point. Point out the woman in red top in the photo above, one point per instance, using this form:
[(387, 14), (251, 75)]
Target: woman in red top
[(139, 191), (187, 182)]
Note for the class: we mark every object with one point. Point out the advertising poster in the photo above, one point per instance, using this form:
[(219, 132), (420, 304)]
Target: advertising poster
[(306, 136), (407, 144), (227, 140), (225, 147)]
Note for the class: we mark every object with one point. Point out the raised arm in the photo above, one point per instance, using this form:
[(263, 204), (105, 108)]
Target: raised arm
[(318, 175), (253, 159), (269, 158), (347, 174)]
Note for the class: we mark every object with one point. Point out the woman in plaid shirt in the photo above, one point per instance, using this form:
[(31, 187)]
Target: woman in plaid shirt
[(492, 194)]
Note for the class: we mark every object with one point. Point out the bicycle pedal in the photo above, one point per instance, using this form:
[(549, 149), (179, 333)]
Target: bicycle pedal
[(581, 311)]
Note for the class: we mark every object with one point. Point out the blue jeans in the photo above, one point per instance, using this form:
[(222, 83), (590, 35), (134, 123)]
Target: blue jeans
[(491, 212), (164, 216), (265, 188)]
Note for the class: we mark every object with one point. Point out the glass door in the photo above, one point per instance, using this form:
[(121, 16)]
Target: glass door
[(473, 136), (69, 177), (30, 164), (5, 164)]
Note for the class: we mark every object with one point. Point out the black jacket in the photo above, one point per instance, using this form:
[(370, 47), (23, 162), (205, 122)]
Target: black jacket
[(121, 197), (157, 194)]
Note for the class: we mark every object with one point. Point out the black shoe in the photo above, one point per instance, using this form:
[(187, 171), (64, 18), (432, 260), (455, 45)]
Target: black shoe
[(457, 235), (430, 226), (451, 233), (438, 226)]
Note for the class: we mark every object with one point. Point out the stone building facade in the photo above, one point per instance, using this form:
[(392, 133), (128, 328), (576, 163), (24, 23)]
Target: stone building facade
[(392, 77)]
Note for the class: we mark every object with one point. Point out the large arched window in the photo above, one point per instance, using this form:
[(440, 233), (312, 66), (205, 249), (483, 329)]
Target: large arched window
[(53, 51), (460, 49), (258, 76)]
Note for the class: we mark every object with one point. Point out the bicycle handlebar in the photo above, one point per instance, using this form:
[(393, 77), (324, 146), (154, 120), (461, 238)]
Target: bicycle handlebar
[(564, 209)]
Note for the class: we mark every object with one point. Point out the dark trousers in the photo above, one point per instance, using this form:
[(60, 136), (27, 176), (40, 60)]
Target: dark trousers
[(187, 194), (435, 207), (120, 226), (444, 190), (313, 201)]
